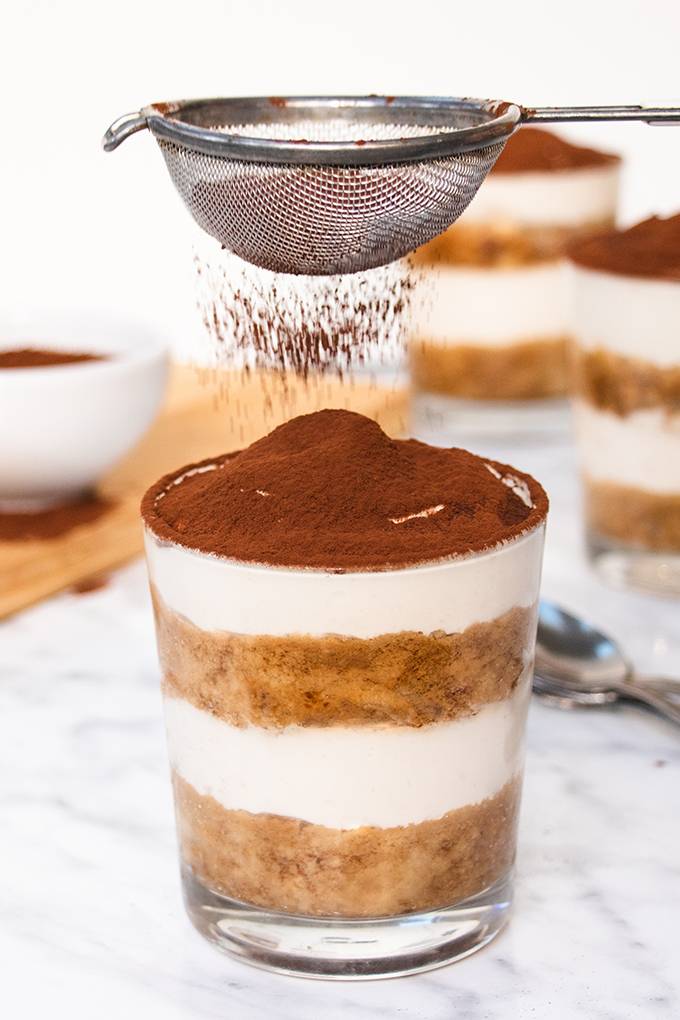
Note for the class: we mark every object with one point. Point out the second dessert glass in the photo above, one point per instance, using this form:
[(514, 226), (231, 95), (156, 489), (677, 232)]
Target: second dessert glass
[(346, 744), (627, 401), (490, 334)]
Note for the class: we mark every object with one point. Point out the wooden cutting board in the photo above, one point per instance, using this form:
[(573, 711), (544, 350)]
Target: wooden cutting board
[(203, 416)]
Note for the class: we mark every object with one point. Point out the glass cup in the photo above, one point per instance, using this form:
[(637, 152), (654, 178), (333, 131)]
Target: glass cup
[(626, 401), (347, 752)]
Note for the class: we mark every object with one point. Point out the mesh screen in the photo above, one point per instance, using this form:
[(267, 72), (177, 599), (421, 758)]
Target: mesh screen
[(323, 219)]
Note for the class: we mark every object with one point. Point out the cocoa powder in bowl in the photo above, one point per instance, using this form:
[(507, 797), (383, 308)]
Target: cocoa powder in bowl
[(331, 491)]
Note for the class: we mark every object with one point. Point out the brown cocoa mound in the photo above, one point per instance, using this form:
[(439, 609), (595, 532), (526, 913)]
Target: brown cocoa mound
[(536, 149), (649, 249), (332, 491), (33, 357)]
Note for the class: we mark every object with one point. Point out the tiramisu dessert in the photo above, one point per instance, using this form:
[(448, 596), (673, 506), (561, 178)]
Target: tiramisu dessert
[(346, 626), (493, 322), (627, 391)]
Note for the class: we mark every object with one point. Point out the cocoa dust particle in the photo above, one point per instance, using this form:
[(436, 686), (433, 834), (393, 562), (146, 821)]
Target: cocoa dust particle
[(90, 584)]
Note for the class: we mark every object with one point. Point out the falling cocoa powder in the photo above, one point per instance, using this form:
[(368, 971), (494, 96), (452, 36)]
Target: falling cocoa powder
[(304, 325)]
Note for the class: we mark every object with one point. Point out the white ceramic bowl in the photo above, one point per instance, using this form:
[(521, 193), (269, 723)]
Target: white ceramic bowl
[(62, 427)]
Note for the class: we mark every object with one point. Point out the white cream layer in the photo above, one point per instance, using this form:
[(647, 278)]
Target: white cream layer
[(568, 198), (628, 315), (640, 450), (346, 777), (492, 307), (220, 594)]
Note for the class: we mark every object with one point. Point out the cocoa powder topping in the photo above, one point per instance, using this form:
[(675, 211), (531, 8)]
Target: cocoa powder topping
[(649, 249), (332, 491), (33, 357), (536, 149)]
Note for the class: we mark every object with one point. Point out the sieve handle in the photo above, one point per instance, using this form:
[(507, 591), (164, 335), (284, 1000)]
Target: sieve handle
[(122, 128), (655, 115)]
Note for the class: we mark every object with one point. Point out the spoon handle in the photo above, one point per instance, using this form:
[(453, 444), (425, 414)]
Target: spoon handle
[(652, 696), (659, 683)]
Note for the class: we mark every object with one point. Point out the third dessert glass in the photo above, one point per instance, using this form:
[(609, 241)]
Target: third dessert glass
[(489, 342), (346, 626), (627, 400)]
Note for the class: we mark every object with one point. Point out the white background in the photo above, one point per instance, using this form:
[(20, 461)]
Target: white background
[(81, 228)]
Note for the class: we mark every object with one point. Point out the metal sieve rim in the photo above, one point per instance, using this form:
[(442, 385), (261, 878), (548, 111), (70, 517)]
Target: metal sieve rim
[(183, 123)]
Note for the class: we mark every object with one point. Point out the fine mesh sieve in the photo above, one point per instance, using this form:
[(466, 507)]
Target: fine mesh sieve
[(327, 185)]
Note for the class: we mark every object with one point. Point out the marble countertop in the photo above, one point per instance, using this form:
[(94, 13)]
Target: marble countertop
[(91, 920)]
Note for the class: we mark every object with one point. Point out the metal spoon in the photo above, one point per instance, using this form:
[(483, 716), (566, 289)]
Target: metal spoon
[(578, 665)]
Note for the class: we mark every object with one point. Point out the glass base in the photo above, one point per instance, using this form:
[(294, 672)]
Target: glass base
[(344, 949), (529, 420), (657, 573)]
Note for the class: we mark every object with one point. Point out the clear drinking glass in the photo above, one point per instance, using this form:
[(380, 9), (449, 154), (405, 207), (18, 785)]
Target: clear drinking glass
[(347, 753), (626, 401)]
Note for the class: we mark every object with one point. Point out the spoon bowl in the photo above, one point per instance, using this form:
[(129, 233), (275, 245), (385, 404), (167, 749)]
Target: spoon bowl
[(570, 648), (577, 665)]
